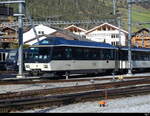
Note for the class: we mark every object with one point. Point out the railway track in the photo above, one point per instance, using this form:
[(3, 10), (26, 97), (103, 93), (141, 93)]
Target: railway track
[(47, 80), (64, 99), (71, 89), (31, 99)]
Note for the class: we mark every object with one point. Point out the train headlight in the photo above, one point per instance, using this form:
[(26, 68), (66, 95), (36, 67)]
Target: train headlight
[(45, 66), (27, 66)]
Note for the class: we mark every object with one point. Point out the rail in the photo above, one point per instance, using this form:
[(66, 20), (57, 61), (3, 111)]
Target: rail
[(64, 99), (71, 89)]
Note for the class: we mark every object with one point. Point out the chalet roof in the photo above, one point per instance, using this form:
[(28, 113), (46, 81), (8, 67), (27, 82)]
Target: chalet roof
[(4, 28), (105, 24), (141, 30), (77, 37), (75, 28)]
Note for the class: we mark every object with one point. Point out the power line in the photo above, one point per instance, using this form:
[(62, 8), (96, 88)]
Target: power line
[(13, 24), (138, 1)]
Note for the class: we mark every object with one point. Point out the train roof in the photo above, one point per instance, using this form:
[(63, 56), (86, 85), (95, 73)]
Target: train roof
[(59, 41), (6, 50), (136, 49)]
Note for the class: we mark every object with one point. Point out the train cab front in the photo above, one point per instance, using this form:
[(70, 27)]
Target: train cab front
[(37, 59)]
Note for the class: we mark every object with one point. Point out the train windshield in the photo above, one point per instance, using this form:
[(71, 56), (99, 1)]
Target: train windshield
[(38, 54), (12, 55)]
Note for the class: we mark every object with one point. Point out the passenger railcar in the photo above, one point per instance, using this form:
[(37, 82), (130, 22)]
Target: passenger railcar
[(58, 56), (140, 58), (12, 59), (3, 57)]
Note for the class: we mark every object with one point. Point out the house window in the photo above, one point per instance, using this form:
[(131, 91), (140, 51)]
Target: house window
[(41, 32), (115, 36), (116, 43), (113, 43)]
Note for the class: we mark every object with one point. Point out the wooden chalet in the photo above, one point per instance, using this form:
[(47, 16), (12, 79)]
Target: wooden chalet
[(9, 35), (108, 33), (141, 38), (76, 30)]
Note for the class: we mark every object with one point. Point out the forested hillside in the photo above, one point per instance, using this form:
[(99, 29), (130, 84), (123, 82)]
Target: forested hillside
[(88, 10), (69, 10)]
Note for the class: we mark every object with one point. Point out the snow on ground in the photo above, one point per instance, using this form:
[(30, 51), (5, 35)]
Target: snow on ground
[(135, 104)]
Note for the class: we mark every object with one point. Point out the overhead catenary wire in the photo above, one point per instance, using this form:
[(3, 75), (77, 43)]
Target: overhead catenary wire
[(31, 22)]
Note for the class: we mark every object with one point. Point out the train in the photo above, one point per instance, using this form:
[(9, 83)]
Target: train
[(11, 60), (4, 53), (58, 56)]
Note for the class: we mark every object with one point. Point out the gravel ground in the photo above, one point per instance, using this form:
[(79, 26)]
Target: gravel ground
[(23, 87), (134, 104)]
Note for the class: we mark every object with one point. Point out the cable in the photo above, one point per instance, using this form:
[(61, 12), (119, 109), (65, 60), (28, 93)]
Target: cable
[(30, 19)]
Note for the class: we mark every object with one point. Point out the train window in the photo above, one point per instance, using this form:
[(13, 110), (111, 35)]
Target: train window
[(0, 56), (38, 54), (139, 55), (123, 55), (68, 53), (3, 56), (86, 53), (78, 53), (107, 54), (58, 53), (94, 54), (100, 54)]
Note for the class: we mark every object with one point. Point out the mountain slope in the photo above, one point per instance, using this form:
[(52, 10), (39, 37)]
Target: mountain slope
[(69, 10)]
